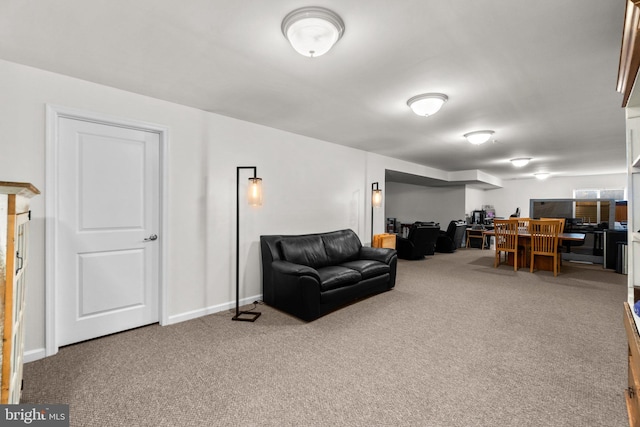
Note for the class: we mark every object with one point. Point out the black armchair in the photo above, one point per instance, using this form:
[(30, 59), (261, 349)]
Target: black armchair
[(450, 240), (421, 241)]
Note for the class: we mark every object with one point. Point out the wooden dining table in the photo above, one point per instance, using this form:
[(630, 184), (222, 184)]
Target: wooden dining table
[(542, 263)]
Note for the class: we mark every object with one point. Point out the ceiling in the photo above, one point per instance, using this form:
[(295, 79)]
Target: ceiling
[(541, 74)]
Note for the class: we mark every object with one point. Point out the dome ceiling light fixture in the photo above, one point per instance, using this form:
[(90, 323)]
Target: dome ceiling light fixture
[(520, 161), (542, 175), (312, 31), (479, 136), (427, 104)]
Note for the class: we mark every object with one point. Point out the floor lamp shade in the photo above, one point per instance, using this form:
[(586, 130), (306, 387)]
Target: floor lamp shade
[(376, 202), (376, 198), (254, 192), (254, 197)]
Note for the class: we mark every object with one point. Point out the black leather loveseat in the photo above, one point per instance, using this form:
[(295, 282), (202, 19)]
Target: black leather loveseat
[(313, 274)]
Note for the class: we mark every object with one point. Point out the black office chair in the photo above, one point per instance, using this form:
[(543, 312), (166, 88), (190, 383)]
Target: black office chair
[(421, 241), (516, 214)]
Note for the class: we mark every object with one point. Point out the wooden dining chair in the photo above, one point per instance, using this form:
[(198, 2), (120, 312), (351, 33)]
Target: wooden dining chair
[(523, 228), (506, 240), (560, 231), (562, 222), (544, 241), (523, 225)]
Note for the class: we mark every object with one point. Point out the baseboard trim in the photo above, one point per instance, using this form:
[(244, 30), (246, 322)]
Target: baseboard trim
[(33, 355), (194, 314)]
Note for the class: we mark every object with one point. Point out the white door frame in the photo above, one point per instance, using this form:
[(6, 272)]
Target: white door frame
[(54, 114)]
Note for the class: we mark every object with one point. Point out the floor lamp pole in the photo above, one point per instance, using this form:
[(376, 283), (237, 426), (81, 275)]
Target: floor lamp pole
[(372, 225), (250, 316)]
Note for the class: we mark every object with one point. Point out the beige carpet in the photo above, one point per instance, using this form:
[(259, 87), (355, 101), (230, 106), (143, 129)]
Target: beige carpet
[(456, 343)]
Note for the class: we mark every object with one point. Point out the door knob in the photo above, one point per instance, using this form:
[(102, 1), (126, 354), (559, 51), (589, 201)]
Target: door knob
[(151, 238)]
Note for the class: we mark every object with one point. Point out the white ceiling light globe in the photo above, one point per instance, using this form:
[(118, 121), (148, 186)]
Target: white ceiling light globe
[(520, 162), (312, 31), (478, 137), (427, 104), (312, 37)]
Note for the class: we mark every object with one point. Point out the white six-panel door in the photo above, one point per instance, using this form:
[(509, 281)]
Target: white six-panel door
[(107, 244)]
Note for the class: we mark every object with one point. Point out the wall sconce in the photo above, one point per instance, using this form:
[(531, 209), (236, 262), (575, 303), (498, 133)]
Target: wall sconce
[(312, 31), (254, 197), (479, 136), (427, 104), (376, 202)]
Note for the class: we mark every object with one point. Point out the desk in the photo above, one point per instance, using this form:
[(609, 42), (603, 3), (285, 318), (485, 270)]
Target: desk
[(541, 263), (476, 233)]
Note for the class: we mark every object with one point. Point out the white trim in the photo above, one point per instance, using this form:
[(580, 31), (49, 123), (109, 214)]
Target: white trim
[(33, 355), (53, 114), (194, 314)]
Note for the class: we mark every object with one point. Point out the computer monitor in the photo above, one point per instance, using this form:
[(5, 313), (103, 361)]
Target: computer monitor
[(478, 217)]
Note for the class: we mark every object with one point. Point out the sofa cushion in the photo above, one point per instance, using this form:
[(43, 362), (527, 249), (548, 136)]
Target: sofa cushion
[(367, 268), (342, 246), (335, 276), (305, 250)]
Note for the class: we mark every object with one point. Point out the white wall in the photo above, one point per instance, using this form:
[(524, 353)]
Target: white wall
[(376, 167), (408, 203), (25, 92), (309, 185), (403, 200), (516, 193), (474, 200)]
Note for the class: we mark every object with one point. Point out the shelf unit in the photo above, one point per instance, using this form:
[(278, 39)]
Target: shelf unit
[(633, 205), (14, 260), (632, 398), (631, 320), (628, 70)]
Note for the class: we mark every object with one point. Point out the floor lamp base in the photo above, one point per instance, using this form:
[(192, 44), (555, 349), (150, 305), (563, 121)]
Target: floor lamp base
[(252, 316)]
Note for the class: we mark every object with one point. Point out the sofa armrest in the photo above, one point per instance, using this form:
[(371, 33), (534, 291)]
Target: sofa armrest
[(291, 269), (295, 289), (378, 254)]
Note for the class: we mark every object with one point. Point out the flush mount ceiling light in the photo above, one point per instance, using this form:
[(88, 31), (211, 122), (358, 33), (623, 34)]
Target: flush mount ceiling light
[(427, 104), (312, 31), (478, 137), (542, 175), (521, 161)]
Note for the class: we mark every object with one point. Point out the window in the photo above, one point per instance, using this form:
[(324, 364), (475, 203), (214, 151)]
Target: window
[(595, 211), (598, 194), (585, 194)]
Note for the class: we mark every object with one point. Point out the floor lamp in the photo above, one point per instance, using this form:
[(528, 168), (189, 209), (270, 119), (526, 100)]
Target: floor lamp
[(254, 197), (376, 202)]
